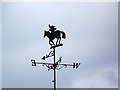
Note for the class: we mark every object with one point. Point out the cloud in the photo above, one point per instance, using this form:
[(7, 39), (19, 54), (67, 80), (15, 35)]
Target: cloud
[(107, 78), (92, 37)]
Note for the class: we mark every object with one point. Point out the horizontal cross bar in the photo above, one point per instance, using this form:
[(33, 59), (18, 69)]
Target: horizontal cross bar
[(75, 65)]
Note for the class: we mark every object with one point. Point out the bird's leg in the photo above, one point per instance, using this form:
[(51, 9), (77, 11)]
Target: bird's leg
[(53, 43), (50, 43), (57, 41)]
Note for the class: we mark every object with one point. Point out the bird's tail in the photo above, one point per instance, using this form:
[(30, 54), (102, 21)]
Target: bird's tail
[(63, 35)]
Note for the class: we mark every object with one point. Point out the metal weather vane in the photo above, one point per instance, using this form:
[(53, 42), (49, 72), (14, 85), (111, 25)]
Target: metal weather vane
[(53, 33)]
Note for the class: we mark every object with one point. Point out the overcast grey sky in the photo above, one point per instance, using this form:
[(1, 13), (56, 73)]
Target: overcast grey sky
[(92, 39)]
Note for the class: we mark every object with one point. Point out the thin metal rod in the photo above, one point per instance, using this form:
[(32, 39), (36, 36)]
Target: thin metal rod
[(54, 70)]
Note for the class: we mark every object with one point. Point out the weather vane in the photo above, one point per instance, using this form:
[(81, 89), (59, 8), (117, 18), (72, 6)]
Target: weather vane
[(53, 33)]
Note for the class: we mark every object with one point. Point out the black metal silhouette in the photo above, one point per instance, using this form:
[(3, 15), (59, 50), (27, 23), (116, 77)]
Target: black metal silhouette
[(51, 34), (48, 55), (52, 29)]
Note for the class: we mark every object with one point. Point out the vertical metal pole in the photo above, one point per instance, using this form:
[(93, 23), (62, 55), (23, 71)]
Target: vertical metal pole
[(54, 70)]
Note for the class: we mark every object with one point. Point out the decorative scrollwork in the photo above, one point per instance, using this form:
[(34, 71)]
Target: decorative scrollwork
[(57, 65), (62, 66)]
